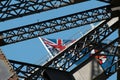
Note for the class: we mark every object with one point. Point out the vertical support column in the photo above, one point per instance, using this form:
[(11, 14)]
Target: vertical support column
[(116, 13), (1, 40), (118, 72)]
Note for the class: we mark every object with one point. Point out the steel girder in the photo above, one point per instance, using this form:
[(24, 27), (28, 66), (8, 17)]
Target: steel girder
[(4, 3), (112, 48), (54, 25), (11, 9), (118, 72), (76, 51), (23, 69), (107, 1), (115, 66)]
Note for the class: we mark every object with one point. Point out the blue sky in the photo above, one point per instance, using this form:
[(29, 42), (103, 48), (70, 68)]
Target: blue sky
[(32, 51)]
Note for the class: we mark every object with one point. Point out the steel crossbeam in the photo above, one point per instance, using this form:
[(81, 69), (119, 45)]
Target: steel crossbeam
[(4, 3), (107, 1), (54, 25), (11, 9), (74, 52), (112, 49), (23, 69), (114, 67)]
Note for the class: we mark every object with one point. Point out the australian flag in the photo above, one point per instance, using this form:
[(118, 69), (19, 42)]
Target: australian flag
[(56, 45)]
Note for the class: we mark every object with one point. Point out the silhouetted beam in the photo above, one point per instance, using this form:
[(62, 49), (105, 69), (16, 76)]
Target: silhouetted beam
[(90, 40), (112, 48), (118, 72), (54, 25), (110, 73), (115, 67), (109, 69), (107, 1), (66, 58), (116, 3), (4, 3), (23, 69), (11, 10)]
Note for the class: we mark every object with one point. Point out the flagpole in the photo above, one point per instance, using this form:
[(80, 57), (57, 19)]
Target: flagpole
[(45, 47)]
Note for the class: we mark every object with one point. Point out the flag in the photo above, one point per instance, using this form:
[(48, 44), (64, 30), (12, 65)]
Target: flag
[(55, 45)]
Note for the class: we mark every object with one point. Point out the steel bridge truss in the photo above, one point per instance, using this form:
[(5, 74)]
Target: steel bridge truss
[(76, 51), (113, 48), (54, 25), (11, 9), (110, 50), (24, 69)]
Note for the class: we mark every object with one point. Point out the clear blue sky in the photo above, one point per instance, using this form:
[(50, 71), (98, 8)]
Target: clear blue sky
[(32, 51)]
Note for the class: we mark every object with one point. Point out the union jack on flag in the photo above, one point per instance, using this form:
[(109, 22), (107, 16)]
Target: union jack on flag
[(56, 45)]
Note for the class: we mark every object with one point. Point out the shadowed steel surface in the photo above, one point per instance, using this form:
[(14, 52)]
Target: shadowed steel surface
[(27, 69), (112, 47), (65, 59), (107, 1), (11, 9), (54, 25), (89, 71)]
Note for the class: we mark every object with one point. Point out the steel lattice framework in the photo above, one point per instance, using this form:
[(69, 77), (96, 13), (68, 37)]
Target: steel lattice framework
[(55, 25), (27, 7), (26, 69), (113, 48), (99, 34), (73, 53)]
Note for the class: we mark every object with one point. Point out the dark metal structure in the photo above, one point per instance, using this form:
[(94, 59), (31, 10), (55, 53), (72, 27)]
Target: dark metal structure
[(11, 9), (109, 15), (76, 51), (54, 25), (107, 1)]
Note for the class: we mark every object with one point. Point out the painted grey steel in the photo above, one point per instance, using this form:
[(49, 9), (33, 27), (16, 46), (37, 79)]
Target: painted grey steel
[(89, 71)]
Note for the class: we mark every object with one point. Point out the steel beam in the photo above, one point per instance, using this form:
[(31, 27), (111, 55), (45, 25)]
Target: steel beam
[(114, 67), (11, 9), (54, 25), (23, 69), (106, 1), (112, 48), (4, 3), (76, 51), (118, 72)]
